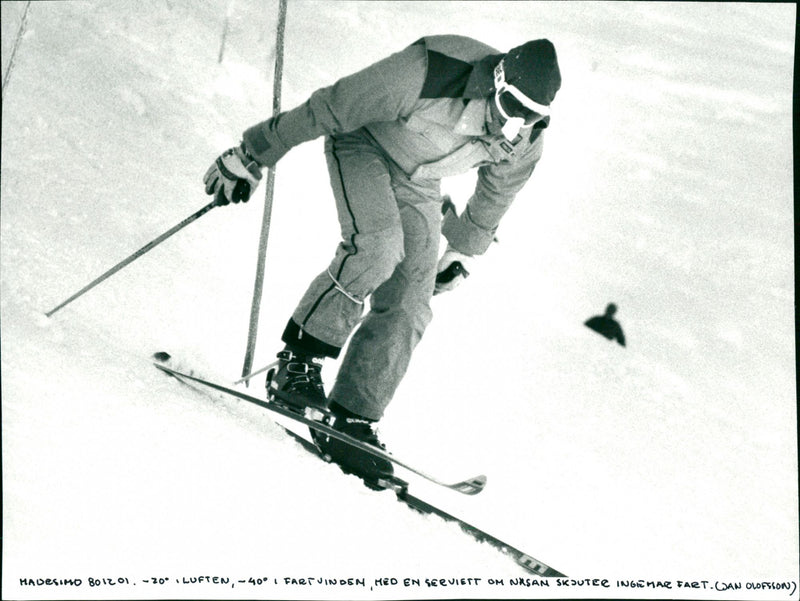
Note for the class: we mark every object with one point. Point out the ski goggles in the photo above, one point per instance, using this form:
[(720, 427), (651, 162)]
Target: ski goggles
[(514, 106)]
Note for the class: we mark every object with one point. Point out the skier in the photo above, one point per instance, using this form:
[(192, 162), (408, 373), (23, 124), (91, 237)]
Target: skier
[(606, 325), (442, 106)]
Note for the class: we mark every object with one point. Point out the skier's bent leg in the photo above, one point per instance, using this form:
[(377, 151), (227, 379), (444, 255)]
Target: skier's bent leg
[(380, 350), (334, 302), (371, 247), (372, 243)]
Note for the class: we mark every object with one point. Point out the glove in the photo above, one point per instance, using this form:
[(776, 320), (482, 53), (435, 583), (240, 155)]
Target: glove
[(233, 177), (452, 270)]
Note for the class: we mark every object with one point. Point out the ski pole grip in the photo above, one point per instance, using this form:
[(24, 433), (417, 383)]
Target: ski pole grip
[(453, 270), (241, 192)]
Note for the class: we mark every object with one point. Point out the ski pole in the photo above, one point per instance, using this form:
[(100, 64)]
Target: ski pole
[(251, 375), (135, 255), (258, 286), (20, 34)]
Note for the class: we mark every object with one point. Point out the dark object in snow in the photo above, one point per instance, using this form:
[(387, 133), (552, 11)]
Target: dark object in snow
[(606, 325)]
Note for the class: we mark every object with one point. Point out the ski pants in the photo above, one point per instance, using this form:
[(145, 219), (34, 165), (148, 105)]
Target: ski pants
[(388, 255)]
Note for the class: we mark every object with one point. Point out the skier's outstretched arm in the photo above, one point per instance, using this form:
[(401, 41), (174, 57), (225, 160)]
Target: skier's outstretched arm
[(384, 91)]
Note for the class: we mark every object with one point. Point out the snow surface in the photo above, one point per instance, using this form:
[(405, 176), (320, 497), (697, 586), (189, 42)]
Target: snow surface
[(666, 187)]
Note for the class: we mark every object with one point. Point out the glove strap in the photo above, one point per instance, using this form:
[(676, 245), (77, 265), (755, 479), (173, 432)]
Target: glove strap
[(224, 170), (248, 155)]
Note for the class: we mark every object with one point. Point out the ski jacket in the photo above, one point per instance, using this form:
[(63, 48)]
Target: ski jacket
[(427, 107)]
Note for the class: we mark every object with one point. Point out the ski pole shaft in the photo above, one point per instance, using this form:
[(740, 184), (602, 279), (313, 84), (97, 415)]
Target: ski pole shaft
[(258, 286), (251, 375), (17, 40), (135, 256)]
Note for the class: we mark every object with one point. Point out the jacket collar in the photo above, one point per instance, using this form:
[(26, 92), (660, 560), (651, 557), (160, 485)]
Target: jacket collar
[(473, 119), (478, 90), (481, 81)]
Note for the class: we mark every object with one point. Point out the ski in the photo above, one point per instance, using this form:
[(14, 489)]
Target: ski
[(470, 486), (521, 558), (401, 490)]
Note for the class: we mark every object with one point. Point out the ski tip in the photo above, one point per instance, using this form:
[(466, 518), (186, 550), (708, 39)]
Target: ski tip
[(472, 486), (162, 356)]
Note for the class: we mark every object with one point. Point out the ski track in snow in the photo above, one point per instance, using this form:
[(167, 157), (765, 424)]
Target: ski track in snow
[(665, 187)]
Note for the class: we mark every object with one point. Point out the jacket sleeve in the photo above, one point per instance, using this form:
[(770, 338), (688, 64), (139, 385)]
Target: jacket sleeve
[(384, 91), (498, 184)]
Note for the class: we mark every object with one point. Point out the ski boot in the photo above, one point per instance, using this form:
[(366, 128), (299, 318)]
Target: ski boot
[(350, 459), (299, 377)]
